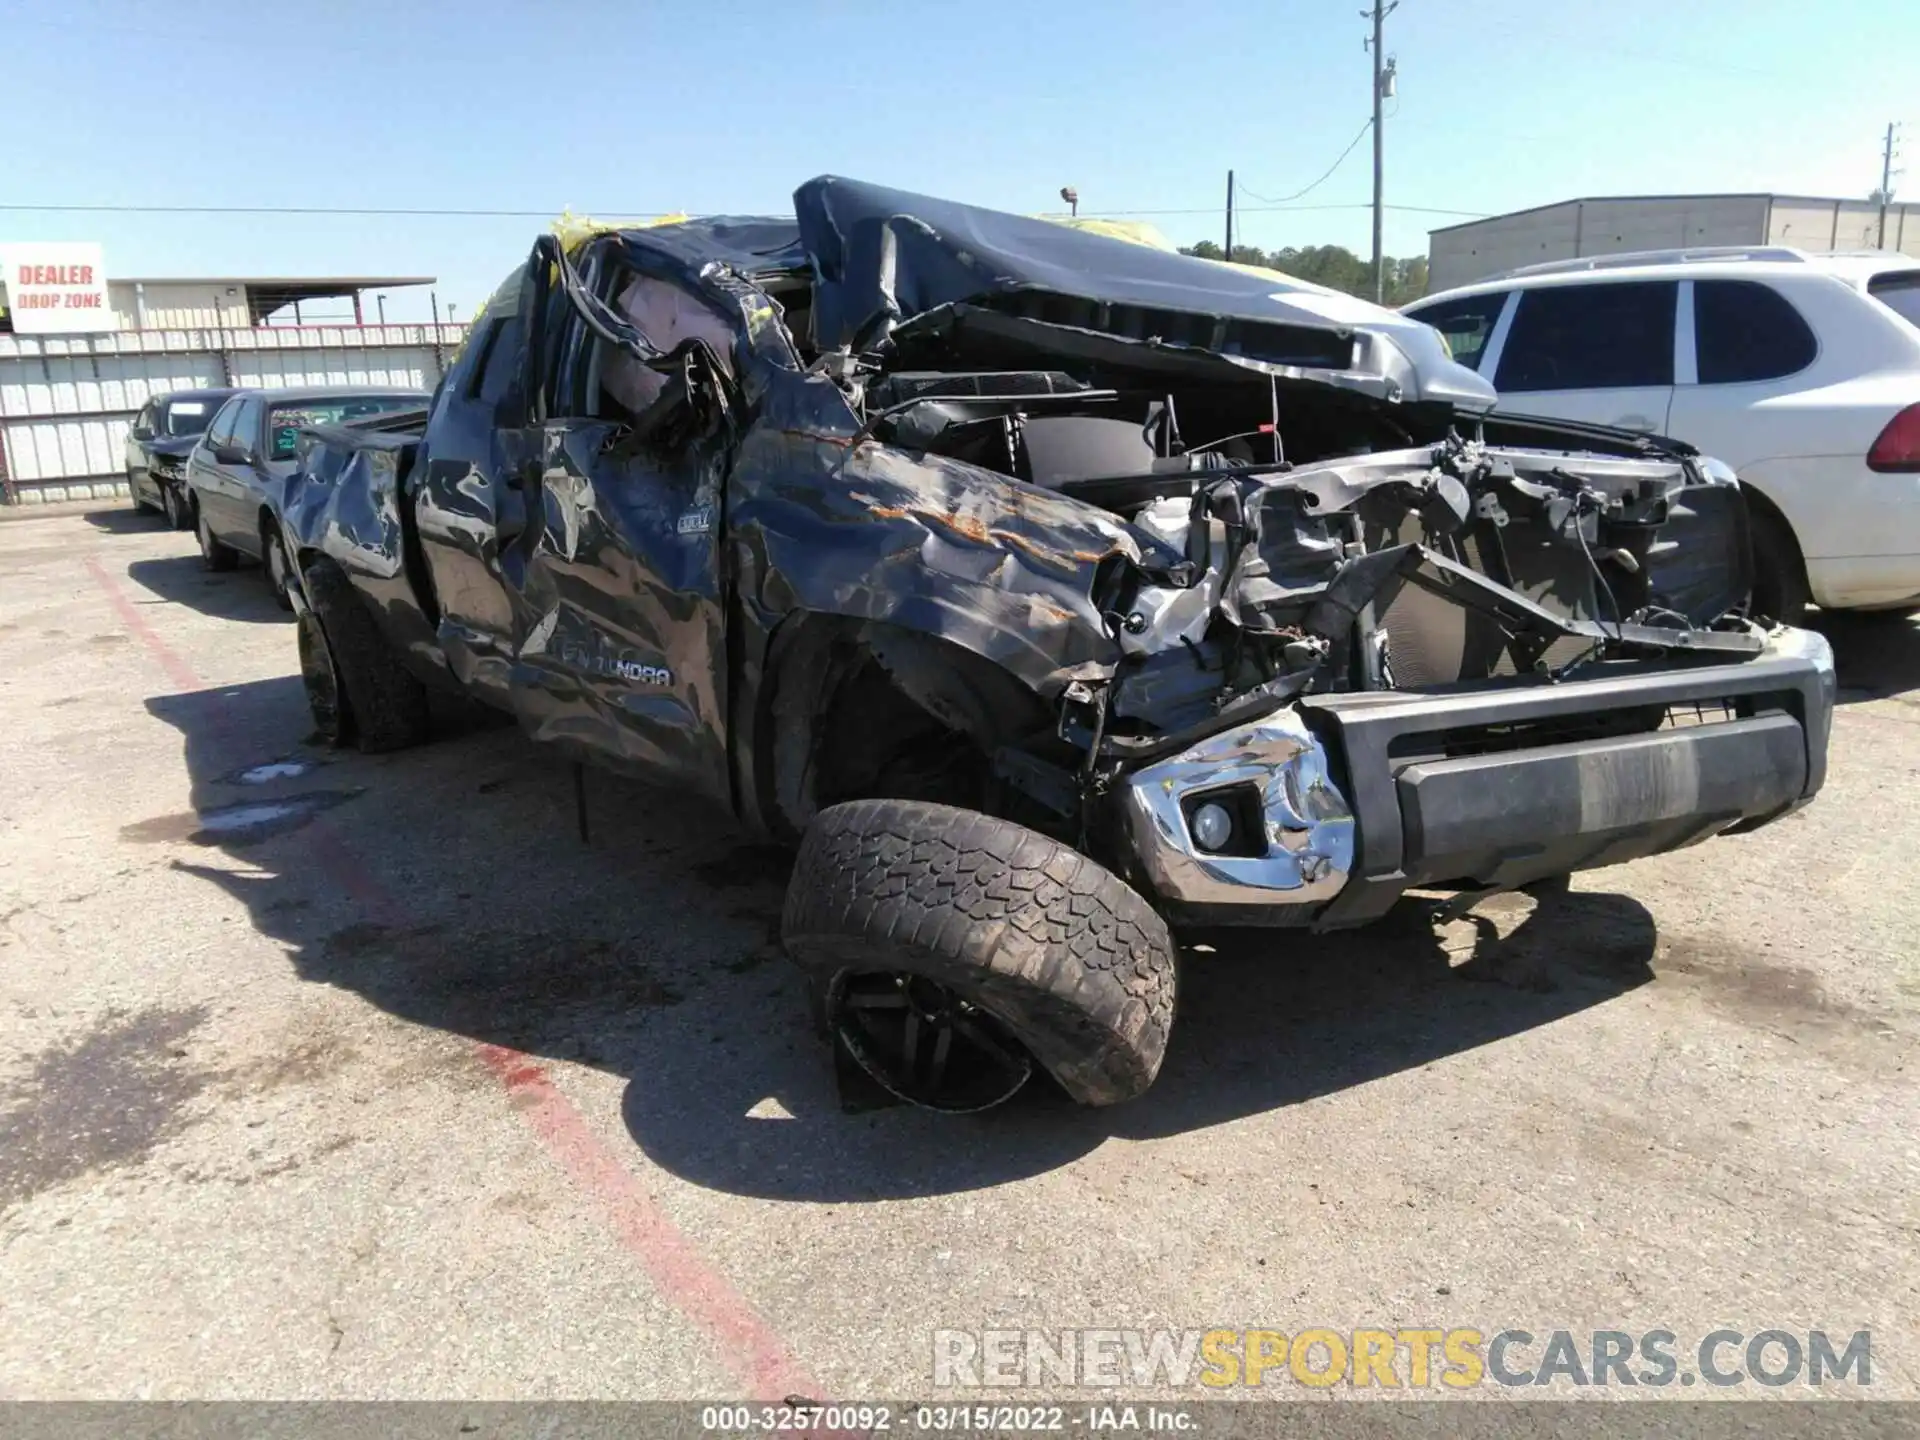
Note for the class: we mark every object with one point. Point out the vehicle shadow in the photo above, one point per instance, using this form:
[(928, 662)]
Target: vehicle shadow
[(447, 886), (234, 595), (1877, 656), (125, 521)]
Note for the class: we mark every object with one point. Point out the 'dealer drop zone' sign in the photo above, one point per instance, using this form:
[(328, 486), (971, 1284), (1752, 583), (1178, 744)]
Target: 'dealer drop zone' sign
[(56, 288)]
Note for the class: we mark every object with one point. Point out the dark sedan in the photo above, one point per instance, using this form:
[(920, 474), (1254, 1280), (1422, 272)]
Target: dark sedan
[(162, 434), (236, 471)]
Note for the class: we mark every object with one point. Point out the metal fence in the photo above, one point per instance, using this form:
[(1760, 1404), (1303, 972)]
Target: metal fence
[(66, 400)]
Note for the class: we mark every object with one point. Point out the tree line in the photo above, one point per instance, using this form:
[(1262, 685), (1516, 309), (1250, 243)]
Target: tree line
[(1334, 266)]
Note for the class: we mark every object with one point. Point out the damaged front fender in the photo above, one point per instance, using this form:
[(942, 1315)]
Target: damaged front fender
[(1006, 570)]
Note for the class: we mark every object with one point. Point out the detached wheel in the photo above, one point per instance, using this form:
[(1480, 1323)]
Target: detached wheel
[(279, 573), (357, 688), (1780, 589), (955, 952), (215, 553)]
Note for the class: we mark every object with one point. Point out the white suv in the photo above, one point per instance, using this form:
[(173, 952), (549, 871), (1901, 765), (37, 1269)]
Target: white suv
[(1800, 371)]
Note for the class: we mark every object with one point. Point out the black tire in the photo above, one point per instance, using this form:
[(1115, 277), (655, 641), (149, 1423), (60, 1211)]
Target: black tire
[(1780, 590), (275, 566), (1065, 957), (174, 507), (215, 553), (357, 687)]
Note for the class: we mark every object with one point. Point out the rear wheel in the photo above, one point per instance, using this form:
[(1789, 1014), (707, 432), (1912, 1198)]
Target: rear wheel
[(357, 688), (215, 553), (956, 952), (279, 573), (1780, 590)]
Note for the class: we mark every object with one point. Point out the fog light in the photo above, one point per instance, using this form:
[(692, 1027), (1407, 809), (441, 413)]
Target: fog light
[(1212, 826)]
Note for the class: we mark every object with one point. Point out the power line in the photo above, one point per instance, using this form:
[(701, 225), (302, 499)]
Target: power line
[(1292, 209), (1284, 199), (548, 214)]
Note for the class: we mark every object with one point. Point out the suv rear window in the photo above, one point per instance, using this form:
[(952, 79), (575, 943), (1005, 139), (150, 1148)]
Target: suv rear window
[(1466, 323), (1591, 337), (1743, 330), (1899, 291)]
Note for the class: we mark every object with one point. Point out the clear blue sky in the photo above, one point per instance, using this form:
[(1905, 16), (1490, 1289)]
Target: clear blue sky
[(658, 105)]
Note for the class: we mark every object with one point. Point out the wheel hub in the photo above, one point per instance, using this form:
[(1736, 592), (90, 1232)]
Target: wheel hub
[(925, 1042)]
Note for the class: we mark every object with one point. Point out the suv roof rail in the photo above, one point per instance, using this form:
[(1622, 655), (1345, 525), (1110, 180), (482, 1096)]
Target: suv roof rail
[(1868, 253), (1698, 254)]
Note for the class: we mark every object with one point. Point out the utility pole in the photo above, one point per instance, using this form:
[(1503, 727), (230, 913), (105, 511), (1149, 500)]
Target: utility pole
[(1382, 87), (1886, 184), (1228, 253)]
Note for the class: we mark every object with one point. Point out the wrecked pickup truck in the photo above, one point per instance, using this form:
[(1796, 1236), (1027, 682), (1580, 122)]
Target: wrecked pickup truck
[(1049, 591)]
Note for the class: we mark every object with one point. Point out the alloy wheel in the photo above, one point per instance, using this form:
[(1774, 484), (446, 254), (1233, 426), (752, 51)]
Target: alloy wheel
[(925, 1042)]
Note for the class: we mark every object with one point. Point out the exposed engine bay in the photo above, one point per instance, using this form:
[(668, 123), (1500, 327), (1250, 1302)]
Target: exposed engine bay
[(1410, 567)]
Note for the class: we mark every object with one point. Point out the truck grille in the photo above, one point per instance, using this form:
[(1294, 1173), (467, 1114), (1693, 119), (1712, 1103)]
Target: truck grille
[(1572, 729)]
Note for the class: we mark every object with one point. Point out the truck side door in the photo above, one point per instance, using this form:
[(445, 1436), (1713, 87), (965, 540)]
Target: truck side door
[(468, 500), (621, 648)]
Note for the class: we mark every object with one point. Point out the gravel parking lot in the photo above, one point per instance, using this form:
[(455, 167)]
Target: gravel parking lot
[(327, 1075)]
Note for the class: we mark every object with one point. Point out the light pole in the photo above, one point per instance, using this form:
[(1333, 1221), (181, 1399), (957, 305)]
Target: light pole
[(1072, 197), (1886, 185), (381, 301)]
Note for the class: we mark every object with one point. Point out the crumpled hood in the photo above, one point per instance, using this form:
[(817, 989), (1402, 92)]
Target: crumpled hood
[(173, 446), (879, 250)]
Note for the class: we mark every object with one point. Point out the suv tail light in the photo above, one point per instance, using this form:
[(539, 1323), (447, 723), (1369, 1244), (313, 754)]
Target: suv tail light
[(1898, 448)]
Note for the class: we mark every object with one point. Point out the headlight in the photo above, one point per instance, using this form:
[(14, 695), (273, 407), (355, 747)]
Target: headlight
[(1718, 471), (1212, 826)]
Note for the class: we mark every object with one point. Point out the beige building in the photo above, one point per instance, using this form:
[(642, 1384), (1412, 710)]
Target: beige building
[(1461, 254), (169, 304)]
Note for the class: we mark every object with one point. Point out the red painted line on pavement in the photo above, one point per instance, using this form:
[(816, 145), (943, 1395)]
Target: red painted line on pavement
[(178, 671), (746, 1343), (696, 1291)]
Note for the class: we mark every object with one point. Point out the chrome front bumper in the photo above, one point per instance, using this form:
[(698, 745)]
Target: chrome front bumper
[(1307, 825), (1739, 746)]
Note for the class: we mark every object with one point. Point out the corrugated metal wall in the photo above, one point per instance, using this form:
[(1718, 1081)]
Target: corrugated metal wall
[(66, 401)]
